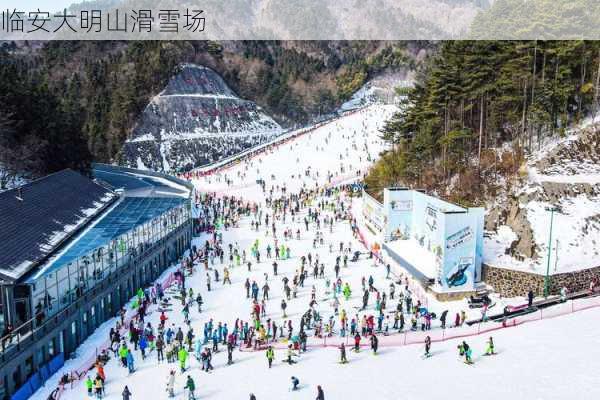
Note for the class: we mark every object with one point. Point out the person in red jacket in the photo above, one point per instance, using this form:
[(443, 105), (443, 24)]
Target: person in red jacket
[(356, 341)]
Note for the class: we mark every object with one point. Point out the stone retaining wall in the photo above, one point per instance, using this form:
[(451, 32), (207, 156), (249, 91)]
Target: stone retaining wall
[(510, 283)]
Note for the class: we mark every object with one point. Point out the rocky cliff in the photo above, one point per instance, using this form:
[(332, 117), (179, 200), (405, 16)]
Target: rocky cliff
[(195, 120), (563, 176)]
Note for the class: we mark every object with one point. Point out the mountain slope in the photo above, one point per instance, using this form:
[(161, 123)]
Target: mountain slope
[(195, 120), (564, 175)]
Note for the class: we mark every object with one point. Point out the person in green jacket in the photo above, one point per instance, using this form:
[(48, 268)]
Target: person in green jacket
[(123, 350), (347, 292), (270, 355), (182, 356), (89, 384), (190, 386)]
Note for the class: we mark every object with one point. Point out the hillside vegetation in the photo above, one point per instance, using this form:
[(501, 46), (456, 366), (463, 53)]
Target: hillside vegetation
[(79, 101), (479, 107)]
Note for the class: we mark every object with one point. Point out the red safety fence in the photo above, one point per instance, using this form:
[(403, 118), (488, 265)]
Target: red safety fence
[(410, 337)]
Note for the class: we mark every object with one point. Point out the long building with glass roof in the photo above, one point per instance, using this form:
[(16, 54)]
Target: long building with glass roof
[(73, 251)]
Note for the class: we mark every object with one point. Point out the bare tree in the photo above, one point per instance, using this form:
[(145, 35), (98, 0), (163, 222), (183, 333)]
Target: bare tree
[(17, 160)]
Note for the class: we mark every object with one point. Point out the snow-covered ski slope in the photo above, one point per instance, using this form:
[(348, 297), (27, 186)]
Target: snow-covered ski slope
[(339, 151), (549, 359)]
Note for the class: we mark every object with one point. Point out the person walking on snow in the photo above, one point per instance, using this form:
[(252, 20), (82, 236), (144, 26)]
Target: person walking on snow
[(343, 359), (190, 386), (427, 346), (126, 393), (171, 384), (182, 357), (290, 354), (374, 343), (270, 355), (130, 365), (357, 342), (295, 383), (320, 394), (489, 351)]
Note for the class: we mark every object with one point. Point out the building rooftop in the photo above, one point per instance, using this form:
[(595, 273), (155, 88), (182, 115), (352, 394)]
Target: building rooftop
[(121, 218), (139, 183), (39, 216)]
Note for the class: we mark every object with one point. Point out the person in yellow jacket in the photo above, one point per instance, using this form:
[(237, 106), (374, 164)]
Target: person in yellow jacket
[(270, 355), (98, 387), (226, 276), (262, 333)]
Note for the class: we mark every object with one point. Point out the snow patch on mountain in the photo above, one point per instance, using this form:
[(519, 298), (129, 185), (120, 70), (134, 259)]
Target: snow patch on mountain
[(380, 90), (564, 176), (197, 119)]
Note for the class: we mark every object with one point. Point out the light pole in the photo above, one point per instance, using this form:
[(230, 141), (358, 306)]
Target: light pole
[(547, 279)]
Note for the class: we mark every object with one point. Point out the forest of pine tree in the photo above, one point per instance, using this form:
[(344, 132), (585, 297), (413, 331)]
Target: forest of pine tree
[(64, 104), (472, 97)]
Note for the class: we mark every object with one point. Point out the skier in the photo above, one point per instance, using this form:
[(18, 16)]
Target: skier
[(490, 347), (320, 394), (427, 346), (171, 384), (89, 384), (199, 302), (290, 354), (465, 350), (270, 355), (443, 319), (182, 357), (98, 386), (374, 344), (126, 393), (190, 386), (229, 353), (295, 383), (347, 292), (130, 365), (530, 298), (343, 359), (357, 342)]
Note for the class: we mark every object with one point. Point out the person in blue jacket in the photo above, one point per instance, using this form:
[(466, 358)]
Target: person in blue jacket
[(130, 364), (143, 346)]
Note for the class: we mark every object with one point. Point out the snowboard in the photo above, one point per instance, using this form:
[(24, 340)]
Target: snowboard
[(426, 356)]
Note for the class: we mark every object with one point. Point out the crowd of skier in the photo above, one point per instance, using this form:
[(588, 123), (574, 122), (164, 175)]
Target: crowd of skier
[(386, 306)]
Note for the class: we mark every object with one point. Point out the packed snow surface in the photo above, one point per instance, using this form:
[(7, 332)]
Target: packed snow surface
[(549, 359), (341, 150)]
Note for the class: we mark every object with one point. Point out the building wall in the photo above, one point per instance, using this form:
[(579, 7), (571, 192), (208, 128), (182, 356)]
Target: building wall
[(453, 234), (510, 283), (67, 330)]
